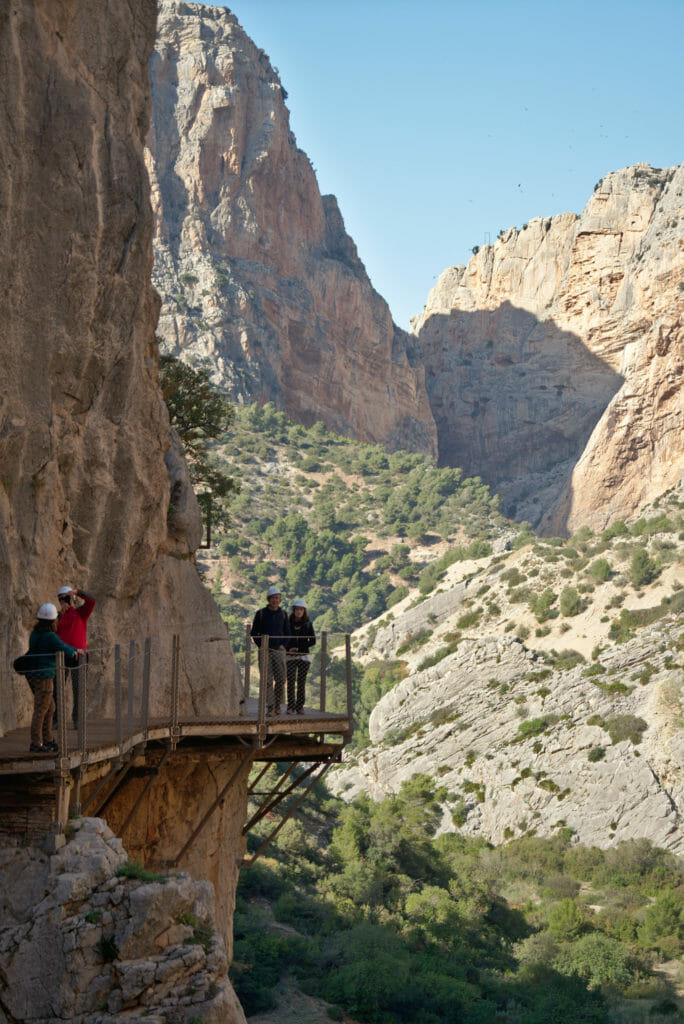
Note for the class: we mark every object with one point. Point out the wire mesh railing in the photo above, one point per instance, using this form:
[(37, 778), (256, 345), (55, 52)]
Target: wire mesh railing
[(103, 699), (288, 679)]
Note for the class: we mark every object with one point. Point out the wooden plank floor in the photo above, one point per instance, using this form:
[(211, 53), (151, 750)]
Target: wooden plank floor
[(101, 741)]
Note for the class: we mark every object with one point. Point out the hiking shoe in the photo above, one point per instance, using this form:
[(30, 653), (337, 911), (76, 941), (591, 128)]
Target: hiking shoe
[(51, 746), (37, 748)]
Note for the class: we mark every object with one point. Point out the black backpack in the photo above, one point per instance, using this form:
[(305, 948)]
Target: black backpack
[(24, 664)]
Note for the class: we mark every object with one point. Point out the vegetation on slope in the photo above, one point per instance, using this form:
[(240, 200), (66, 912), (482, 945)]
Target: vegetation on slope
[(382, 918), (335, 521)]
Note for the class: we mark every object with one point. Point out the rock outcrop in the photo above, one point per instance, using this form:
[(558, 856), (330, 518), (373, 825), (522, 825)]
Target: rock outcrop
[(84, 435), (554, 359), (535, 722), (460, 723), (83, 938), (259, 280)]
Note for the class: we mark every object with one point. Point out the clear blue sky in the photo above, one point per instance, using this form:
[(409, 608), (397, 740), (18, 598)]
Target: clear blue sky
[(436, 122)]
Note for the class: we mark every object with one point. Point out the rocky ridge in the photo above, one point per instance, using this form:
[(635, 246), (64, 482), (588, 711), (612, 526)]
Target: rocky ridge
[(81, 941), (510, 725), (554, 359), (550, 365), (258, 278)]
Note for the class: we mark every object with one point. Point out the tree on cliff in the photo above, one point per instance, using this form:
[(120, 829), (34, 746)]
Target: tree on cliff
[(199, 414)]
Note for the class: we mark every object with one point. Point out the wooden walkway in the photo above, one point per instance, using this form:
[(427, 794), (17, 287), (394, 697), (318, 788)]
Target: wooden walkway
[(91, 766), (101, 739)]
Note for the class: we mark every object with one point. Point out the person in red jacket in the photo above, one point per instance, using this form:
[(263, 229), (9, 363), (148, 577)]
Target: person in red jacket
[(72, 628)]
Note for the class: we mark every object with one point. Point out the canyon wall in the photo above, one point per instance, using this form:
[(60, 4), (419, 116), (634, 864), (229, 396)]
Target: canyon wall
[(554, 359), (259, 281), (85, 938), (549, 366), (87, 460), (94, 491)]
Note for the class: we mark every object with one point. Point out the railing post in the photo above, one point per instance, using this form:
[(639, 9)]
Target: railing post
[(263, 686), (82, 671), (61, 705), (348, 673), (248, 666), (131, 684), (324, 659), (117, 696), (146, 686), (175, 669)]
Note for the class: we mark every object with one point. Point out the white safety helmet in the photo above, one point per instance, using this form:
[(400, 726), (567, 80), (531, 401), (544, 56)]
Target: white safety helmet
[(272, 591), (64, 590), (299, 603), (48, 612)]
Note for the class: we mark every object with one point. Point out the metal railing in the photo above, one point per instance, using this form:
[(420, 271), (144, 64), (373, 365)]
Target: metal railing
[(328, 698), (272, 691)]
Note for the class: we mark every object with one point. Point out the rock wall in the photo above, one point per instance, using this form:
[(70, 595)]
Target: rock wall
[(80, 941), (258, 277), (457, 723), (163, 828), (85, 448), (554, 359)]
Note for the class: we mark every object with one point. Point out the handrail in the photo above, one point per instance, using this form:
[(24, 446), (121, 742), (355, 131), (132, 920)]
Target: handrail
[(130, 697), (268, 683)]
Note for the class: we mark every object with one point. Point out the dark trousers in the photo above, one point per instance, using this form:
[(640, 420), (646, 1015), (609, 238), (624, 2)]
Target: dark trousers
[(43, 707), (296, 674), (275, 678)]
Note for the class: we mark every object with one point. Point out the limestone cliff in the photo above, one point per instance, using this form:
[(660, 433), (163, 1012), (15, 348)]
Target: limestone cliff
[(554, 359), (257, 275), (93, 487), (533, 727), (82, 940), (85, 450)]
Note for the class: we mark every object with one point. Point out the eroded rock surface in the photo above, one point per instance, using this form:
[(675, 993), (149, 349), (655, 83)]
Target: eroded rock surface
[(84, 489), (535, 723), (459, 722), (257, 274), (554, 359), (81, 943)]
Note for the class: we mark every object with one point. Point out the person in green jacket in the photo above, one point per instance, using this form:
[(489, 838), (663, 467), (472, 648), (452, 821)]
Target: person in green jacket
[(43, 644)]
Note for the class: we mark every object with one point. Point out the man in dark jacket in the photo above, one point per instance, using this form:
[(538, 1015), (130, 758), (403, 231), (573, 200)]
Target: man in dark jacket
[(272, 623)]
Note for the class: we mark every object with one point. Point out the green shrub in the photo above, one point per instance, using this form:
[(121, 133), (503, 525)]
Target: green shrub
[(600, 570), (397, 595), (107, 949), (596, 754), (469, 619), (625, 727), (598, 959), (459, 813), (439, 655), (541, 605), (414, 640), (566, 659), (535, 726), (570, 602), (134, 869), (642, 569)]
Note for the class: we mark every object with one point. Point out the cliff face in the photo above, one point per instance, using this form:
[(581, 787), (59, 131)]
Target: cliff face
[(85, 449), (256, 272), (554, 359), (577, 725), (81, 941)]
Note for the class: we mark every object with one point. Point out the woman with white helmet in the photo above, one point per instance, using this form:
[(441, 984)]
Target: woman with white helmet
[(302, 639), (43, 644)]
